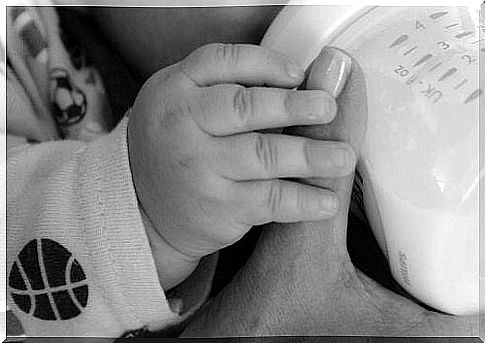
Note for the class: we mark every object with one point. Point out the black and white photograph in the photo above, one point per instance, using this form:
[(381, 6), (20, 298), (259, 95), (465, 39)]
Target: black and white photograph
[(261, 171)]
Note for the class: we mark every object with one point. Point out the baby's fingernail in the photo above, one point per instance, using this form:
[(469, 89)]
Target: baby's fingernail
[(295, 71), (329, 204), (317, 106), (346, 160), (330, 71)]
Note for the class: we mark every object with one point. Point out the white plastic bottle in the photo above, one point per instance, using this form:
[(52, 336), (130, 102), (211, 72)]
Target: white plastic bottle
[(419, 163)]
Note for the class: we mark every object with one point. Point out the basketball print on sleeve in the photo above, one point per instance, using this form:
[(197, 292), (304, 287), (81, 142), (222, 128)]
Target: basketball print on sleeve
[(47, 282)]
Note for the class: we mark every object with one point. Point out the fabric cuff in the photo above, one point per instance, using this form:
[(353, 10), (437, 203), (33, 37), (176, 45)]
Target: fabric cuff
[(124, 261)]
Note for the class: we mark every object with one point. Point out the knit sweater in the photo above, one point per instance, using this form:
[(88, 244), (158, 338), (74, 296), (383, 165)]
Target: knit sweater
[(79, 262)]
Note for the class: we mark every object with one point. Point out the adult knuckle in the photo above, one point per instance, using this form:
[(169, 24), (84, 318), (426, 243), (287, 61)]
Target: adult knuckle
[(266, 153)]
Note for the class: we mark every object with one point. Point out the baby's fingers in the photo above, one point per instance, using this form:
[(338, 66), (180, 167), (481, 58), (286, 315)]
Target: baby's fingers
[(228, 109), (284, 202), (241, 63), (257, 156)]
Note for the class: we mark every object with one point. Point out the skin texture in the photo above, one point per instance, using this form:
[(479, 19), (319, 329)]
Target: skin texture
[(202, 177), (300, 280)]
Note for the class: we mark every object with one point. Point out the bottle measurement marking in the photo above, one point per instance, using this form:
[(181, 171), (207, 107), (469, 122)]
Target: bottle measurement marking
[(433, 94), (438, 15), (473, 96), (448, 73), (401, 39), (452, 25), (410, 50), (464, 34), (461, 83), (469, 58), (423, 60), (436, 66), (428, 89)]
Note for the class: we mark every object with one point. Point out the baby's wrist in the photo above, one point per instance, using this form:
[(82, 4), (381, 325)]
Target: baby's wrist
[(173, 267)]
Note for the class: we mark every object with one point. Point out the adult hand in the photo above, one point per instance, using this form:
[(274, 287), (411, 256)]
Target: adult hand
[(202, 176), (300, 279)]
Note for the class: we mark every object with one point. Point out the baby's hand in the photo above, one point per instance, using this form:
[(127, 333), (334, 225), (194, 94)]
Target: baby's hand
[(202, 176)]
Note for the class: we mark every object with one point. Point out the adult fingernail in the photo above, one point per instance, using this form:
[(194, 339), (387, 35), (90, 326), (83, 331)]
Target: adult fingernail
[(330, 71)]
